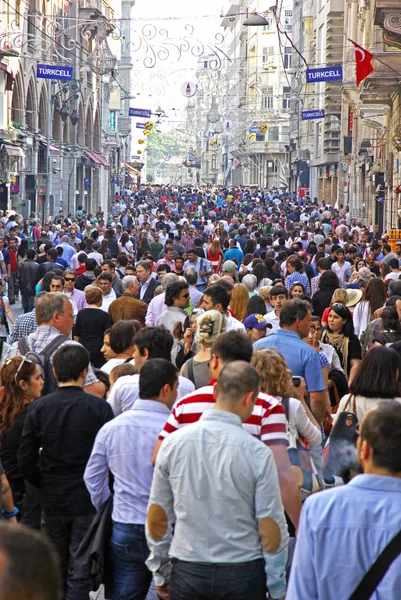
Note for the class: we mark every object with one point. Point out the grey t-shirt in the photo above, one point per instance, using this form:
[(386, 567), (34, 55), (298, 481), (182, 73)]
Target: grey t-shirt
[(197, 372)]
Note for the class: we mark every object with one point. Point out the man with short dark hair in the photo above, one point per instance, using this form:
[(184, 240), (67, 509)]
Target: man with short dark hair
[(57, 283), (230, 485), (51, 264), (368, 511), (202, 266), (176, 299), (124, 447), (109, 267), (56, 442), (216, 297), (88, 277), (342, 268), (105, 284), (29, 565), (278, 298), (146, 281), (151, 342), (27, 278)]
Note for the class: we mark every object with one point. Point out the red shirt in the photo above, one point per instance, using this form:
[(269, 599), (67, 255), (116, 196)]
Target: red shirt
[(267, 421), (13, 260)]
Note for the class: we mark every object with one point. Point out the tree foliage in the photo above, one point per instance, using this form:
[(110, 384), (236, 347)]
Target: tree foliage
[(160, 145)]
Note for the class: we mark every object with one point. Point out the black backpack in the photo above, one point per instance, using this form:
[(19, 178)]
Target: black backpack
[(43, 360)]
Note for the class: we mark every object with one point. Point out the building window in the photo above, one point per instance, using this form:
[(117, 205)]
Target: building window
[(269, 25), (267, 54), (285, 132), (288, 20), (113, 119), (260, 137), (205, 64), (267, 98), (273, 134), (214, 162), (287, 58), (286, 97)]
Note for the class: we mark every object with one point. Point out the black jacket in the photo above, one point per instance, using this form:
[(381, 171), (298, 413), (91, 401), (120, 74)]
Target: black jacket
[(56, 442), (28, 277), (47, 266), (150, 290), (82, 281)]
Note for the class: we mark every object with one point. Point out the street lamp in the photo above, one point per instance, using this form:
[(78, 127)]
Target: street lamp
[(256, 20)]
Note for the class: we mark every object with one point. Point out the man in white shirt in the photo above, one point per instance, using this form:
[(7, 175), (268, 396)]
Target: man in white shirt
[(151, 342), (104, 282), (278, 297), (216, 297)]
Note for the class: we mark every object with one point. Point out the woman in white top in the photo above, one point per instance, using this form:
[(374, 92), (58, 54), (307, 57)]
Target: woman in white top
[(122, 344), (125, 246), (276, 380), (374, 297), (375, 381)]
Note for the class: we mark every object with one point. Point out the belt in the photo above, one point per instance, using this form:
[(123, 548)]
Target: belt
[(256, 562)]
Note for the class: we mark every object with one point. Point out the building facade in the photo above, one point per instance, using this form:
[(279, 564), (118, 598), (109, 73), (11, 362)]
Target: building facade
[(61, 143)]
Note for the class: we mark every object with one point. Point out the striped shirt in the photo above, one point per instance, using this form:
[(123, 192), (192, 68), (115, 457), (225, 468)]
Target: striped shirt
[(267, 421)]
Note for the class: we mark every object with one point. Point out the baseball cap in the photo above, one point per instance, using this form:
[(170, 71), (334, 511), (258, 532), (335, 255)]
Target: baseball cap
[(229, 266), (256, 322)]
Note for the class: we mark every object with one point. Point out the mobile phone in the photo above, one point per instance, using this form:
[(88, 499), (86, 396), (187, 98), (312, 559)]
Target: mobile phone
[(296, 381)]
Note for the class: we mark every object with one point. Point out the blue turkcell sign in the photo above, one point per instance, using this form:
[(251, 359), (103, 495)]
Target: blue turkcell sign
[(254, 129), (324, 74), (54, 72), (140, 112), (307, 115), (140, 125)]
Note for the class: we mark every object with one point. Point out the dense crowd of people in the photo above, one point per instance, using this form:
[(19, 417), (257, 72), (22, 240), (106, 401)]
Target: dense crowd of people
[(201, 399)]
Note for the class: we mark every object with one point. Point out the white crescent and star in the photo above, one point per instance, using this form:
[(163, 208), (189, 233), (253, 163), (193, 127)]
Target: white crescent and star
[(362, 53)]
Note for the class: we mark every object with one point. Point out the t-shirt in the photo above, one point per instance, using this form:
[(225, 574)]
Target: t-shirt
[(267, 421)]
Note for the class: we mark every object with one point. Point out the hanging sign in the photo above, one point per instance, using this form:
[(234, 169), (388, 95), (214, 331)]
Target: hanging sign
[(140, 126), (54, 72), (324, 74), (140, 112), (307, 115)]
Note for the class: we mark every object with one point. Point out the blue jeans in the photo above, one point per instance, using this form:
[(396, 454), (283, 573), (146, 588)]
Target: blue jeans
[(200, 581), (129, 551)]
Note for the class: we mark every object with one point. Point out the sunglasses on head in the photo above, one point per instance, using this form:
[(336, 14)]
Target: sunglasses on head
[(24, 360)]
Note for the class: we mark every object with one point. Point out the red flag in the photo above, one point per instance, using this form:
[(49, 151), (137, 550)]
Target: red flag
[(363, 60)]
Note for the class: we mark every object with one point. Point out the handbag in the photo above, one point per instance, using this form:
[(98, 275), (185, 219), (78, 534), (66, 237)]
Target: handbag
[(301, 462), (340, 452), (377, 571)]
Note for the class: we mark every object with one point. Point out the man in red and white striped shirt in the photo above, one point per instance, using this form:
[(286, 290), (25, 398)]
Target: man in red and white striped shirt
[(267, 421)]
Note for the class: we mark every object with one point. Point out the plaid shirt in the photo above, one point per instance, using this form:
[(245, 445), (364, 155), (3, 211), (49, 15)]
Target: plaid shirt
[(39, 339), (24, 325)]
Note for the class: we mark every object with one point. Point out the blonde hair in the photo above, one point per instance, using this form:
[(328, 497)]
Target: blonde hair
[(340, 296), (210, 325), (239, 301), (275, 376)]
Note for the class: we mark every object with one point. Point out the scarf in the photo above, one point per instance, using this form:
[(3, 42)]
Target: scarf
[(340, 343)]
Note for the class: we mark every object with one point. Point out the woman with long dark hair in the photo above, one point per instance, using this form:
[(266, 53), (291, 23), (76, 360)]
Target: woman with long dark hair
[(22, 382), (125, 245), (340, 334)]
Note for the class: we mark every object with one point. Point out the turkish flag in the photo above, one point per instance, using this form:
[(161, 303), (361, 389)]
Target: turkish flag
[(363, 60)]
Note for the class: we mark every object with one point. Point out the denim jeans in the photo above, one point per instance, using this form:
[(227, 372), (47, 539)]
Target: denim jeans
[(67, 532), (129, 551), (200, 581), (28, 303)]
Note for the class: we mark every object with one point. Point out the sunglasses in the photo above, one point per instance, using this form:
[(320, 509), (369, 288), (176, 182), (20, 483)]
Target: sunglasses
[(69, 279), (24, 360)]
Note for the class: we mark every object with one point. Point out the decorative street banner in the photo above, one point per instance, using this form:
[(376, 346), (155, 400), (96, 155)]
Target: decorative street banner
[(307, 115), (140, 112), (324, 74), (140, 126), (54, 72)]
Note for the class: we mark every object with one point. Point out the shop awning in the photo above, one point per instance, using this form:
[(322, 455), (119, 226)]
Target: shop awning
[(131, 170), (94, 158), (54, 151), (13, 150), (98, 160)]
